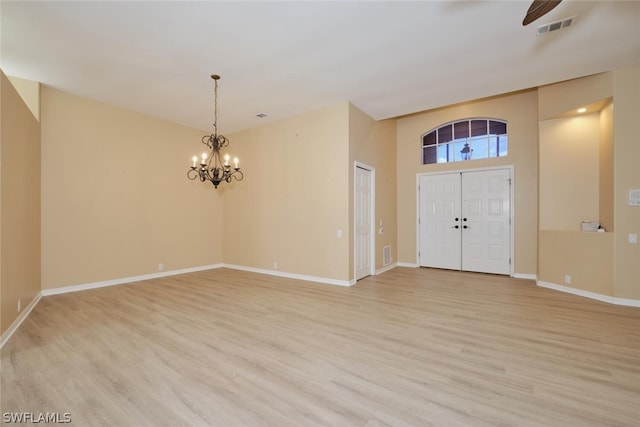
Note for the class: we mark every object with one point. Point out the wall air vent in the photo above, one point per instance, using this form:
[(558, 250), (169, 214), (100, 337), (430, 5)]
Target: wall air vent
[(386, 255), (555, 26)]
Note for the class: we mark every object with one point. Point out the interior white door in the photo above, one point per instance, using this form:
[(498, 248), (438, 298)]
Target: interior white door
[(486, 221), (363, 224), (440, 221), (465, 221)]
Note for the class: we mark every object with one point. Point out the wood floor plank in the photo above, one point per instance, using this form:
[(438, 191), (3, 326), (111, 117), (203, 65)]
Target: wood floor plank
[(410, 347)]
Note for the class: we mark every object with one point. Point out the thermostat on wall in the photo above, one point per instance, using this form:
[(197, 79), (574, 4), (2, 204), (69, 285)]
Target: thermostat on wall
[(634, 197)]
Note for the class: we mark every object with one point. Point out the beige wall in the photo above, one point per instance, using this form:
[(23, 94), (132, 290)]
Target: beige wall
[(373, 143), (520, 111), (29, 92), (569, 182), (619, 172), (626, 96), (115, 198), (587, 258), (19, 204), (557, 99), (294, 197), (564, 249)]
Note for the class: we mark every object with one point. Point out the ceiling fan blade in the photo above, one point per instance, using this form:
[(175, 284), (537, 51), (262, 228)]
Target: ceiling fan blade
[(539, 8)]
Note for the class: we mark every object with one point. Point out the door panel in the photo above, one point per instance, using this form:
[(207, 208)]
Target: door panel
[(439, 207), (486, 207), (363, 243)]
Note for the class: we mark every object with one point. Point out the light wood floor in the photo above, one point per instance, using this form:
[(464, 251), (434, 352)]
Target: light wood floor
[(410, 347)]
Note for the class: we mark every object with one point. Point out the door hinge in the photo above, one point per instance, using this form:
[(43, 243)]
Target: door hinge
[(509, 261)]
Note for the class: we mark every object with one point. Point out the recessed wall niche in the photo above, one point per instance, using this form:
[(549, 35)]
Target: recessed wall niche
[(576, 168)]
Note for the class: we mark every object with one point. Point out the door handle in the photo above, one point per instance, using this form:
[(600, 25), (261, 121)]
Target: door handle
[(456, 226), (465, 227), (457, 219)]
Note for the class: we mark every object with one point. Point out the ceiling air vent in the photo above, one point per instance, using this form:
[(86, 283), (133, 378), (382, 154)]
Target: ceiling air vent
[(555, 26)]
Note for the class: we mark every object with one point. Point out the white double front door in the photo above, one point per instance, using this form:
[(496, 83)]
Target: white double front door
[(465, 221)]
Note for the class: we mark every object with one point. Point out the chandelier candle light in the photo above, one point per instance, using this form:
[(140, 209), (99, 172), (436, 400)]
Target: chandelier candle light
[(212, 167)]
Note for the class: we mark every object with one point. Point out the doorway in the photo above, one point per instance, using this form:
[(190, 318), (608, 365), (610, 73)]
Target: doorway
[(464, 221)]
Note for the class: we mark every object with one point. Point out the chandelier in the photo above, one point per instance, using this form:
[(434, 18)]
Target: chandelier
[(212, 167)]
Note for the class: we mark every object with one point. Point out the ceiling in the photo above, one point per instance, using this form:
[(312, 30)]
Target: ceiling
[(389, 58)]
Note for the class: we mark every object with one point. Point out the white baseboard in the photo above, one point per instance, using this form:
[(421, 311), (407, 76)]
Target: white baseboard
[(514, 275), (124, 280), (407, 264), (16, 323), (524, 276), (292, 275), (592, 295), (386, 268)]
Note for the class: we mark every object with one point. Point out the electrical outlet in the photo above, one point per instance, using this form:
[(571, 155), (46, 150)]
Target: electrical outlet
[(567, 279), (19, 305), (275, 265), (160, 267)]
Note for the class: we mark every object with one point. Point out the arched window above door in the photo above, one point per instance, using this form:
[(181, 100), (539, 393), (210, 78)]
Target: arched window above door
[(468, 139)]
